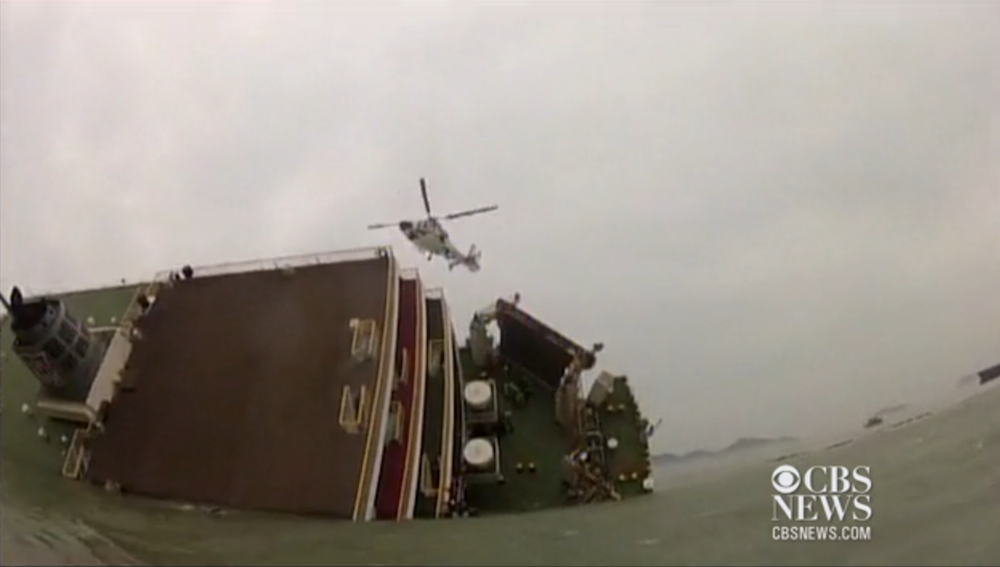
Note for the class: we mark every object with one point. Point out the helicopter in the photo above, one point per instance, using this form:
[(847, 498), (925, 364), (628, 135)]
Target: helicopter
[(432, 239)]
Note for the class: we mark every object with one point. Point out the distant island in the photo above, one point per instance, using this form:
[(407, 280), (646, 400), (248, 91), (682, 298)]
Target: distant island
[(980, 378), (891, 410), (741, 444)]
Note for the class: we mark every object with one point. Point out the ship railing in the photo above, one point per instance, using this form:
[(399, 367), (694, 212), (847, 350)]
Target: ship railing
[(284, 262), (133, 310), (264, 264), (60, 291)]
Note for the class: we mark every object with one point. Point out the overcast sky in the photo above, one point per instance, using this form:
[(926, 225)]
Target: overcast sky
[(778, 216)]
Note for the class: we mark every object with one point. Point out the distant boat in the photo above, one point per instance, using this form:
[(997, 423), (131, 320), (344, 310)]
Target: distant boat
[(873, 421), (990, 374)]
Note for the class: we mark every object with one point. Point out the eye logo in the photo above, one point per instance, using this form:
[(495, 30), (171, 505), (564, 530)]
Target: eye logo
[(786, 479)]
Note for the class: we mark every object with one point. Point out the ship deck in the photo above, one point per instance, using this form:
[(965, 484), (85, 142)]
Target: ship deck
[(532, 359), (630, 463), (531, 455), (232, 396), (18, 434)]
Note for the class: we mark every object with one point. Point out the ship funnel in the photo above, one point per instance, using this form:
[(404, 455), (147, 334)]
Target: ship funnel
[(23, 316), (58, 349)]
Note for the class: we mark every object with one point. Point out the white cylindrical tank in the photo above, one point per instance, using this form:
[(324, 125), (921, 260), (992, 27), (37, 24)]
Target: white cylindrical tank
[(478, 453), (478, 394)]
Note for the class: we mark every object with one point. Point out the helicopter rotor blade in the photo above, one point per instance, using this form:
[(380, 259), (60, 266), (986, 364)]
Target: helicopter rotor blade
[(423, 193), (470, 212), (382, 225)]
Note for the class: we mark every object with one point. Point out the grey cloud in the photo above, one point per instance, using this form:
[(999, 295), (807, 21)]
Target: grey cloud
[(778, 216)]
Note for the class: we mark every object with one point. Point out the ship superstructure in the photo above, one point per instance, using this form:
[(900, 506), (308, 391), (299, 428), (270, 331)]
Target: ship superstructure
[(330, 384)]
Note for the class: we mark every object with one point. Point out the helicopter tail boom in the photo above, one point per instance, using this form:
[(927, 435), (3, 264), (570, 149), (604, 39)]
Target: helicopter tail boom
[(470, 260)]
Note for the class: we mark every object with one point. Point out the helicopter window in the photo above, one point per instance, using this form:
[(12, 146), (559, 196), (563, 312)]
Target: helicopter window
[(364, 339), (81, 347), (352, 409), (38, 362), (54, 349), (67, 333), (67, 363)]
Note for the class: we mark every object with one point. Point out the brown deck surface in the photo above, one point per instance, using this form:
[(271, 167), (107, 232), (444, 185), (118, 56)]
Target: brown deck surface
[(237, 391)]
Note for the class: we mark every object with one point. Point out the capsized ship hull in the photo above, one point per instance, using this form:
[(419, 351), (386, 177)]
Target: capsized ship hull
[(332, 385)]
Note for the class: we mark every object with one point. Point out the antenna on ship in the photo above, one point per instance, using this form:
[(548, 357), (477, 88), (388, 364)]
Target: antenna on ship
[(15, 301)]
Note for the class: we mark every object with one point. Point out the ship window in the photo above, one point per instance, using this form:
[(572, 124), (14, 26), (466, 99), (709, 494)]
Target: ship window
[(428, 482), (67, 333), (363, 339), (435, 356), (403, 371), (81, 348), (43, 367), (54, 349), (38, 362), (353, 404), (395, 426), (66, 364)]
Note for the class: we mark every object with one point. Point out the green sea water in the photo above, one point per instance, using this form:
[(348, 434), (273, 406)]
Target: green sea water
[(936, 500)]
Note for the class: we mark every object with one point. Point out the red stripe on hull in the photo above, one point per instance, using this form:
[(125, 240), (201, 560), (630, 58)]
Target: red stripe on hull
[(391, 479)]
